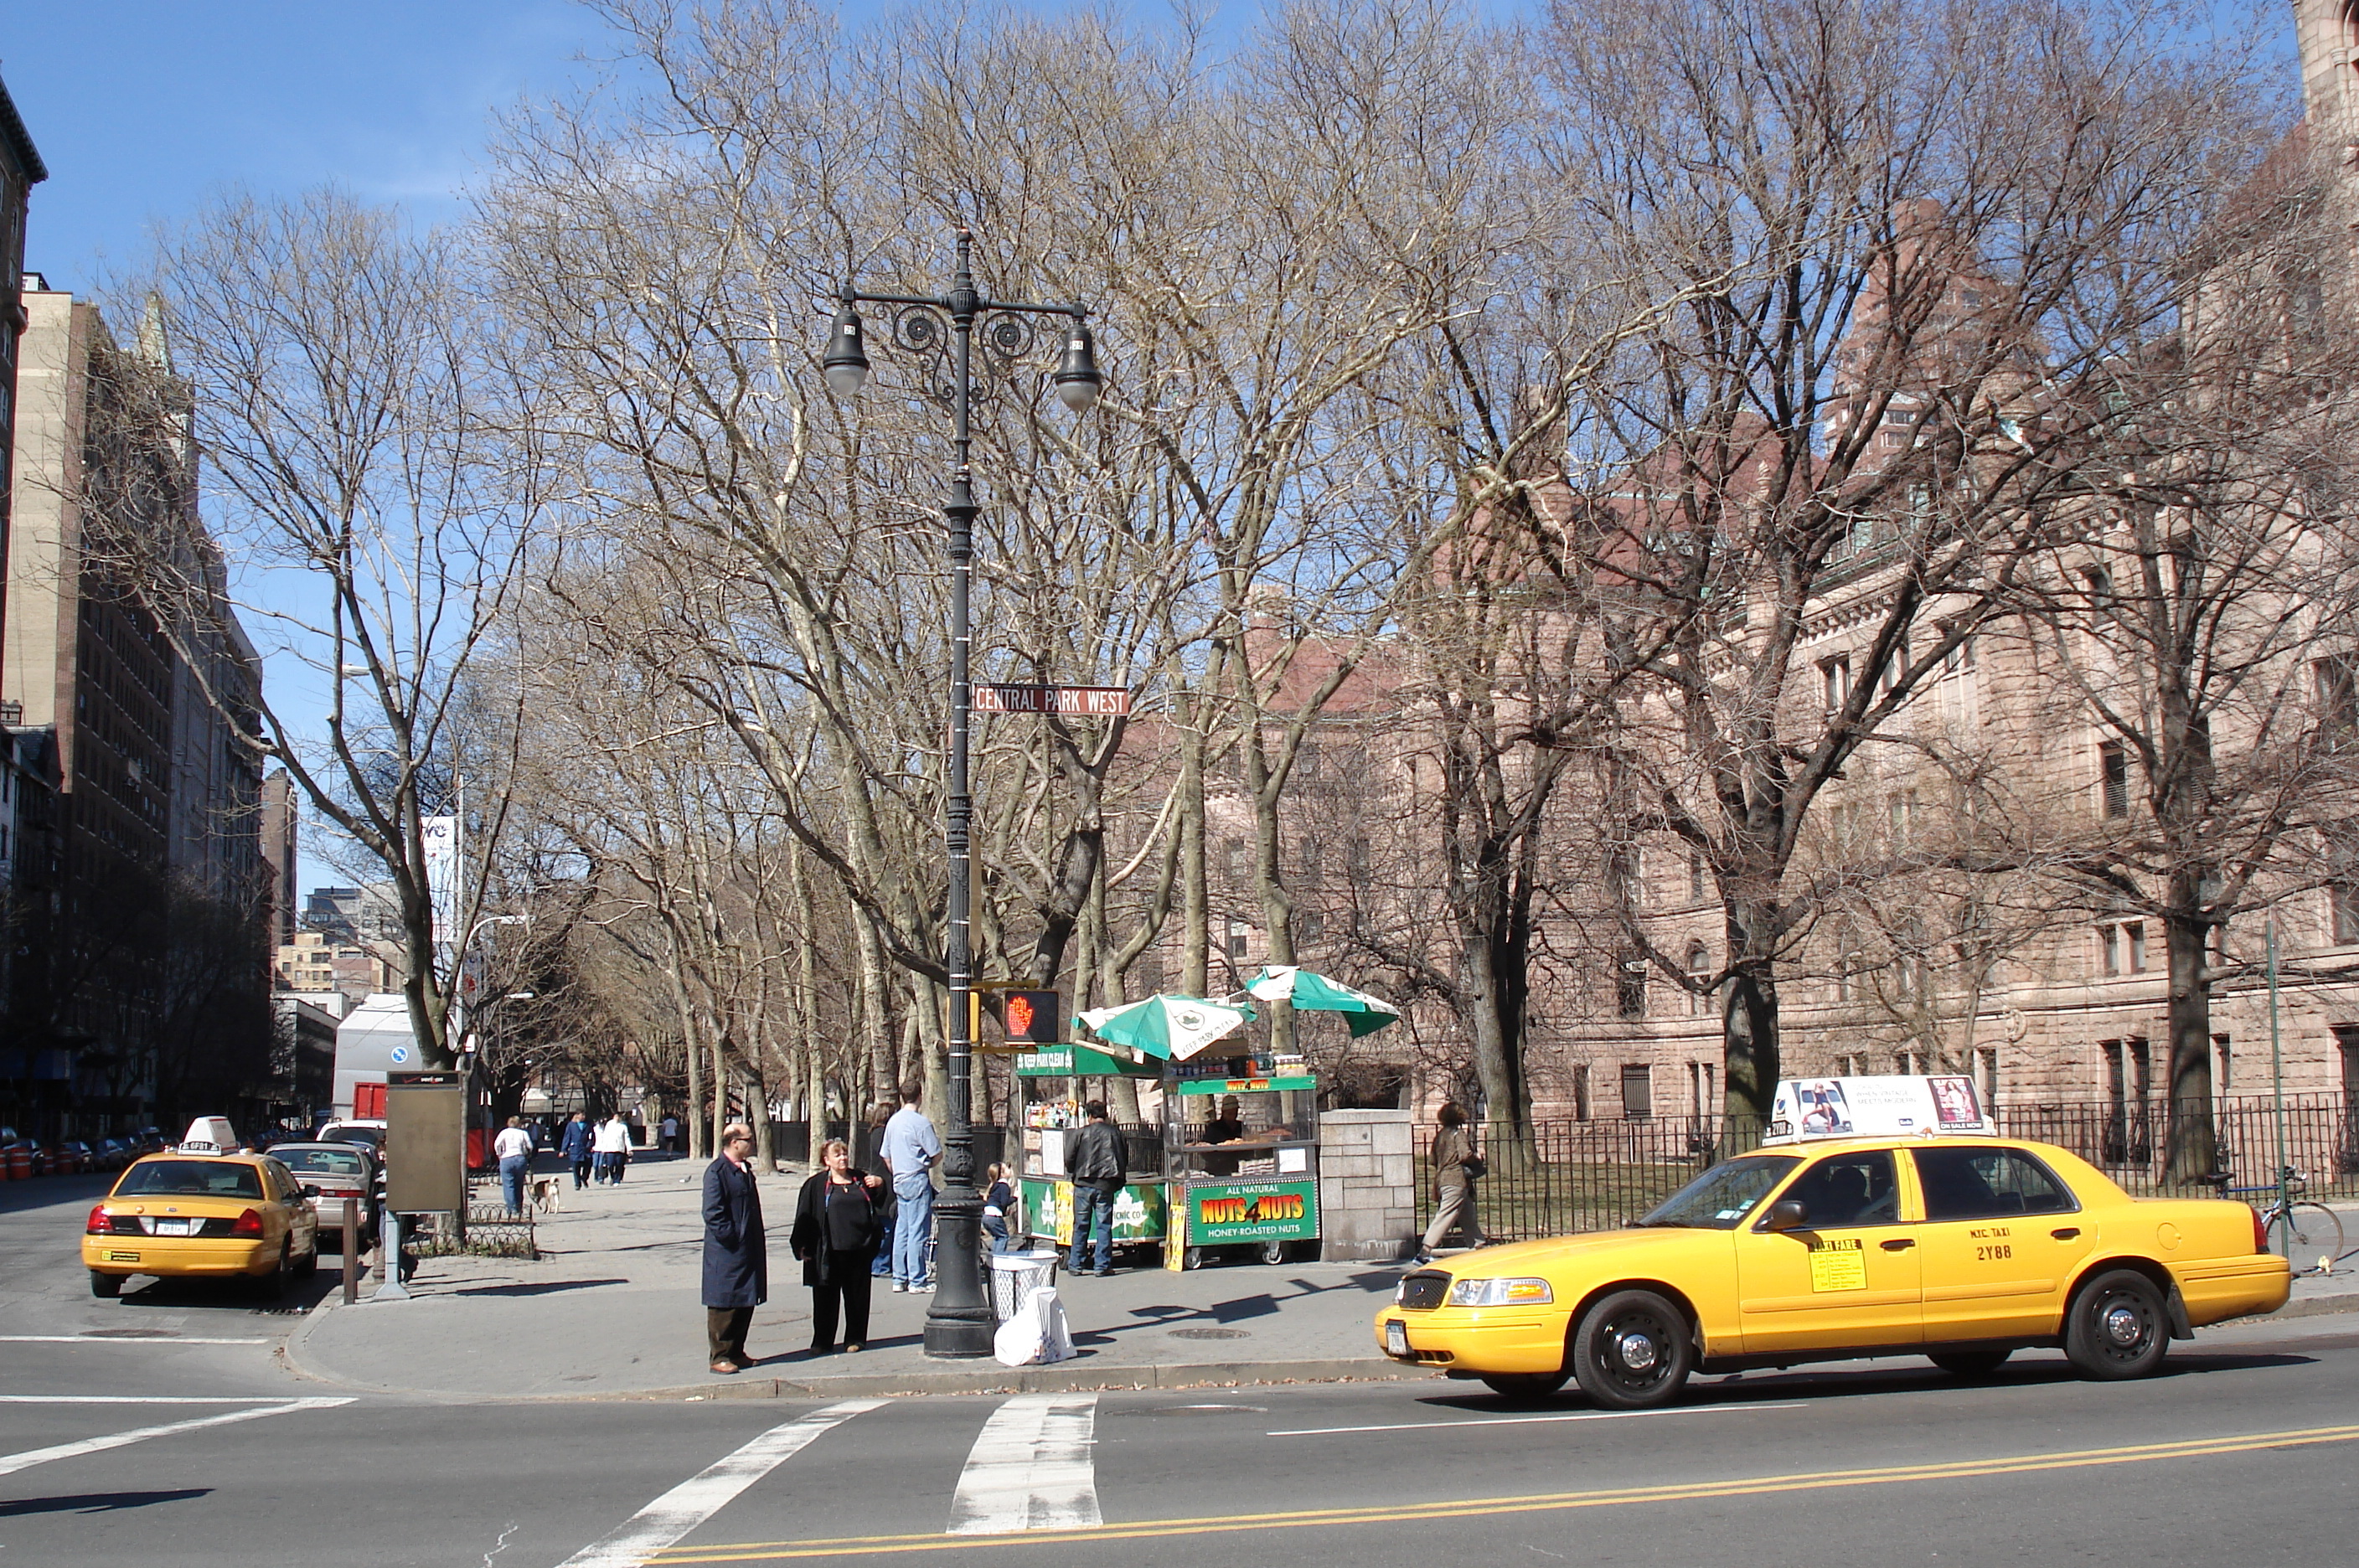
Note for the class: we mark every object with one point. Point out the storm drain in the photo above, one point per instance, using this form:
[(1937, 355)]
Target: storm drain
[(1209, 1333)]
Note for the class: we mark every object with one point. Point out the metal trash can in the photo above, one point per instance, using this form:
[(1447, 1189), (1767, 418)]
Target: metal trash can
[(1014, 1275)]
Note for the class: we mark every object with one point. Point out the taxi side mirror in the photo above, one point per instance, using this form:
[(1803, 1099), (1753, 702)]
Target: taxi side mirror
[(1788, 1214), (310, 1191)]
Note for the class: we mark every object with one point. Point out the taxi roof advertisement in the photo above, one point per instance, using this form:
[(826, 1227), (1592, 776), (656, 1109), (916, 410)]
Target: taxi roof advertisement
[(1877, 1107)]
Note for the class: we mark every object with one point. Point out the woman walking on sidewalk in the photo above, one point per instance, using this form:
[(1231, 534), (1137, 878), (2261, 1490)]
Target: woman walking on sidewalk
[(736, 1250), (839, 1223), (1453, 1184)]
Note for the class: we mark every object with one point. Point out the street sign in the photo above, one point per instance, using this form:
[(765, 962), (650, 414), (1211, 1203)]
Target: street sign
[(1078, 702)]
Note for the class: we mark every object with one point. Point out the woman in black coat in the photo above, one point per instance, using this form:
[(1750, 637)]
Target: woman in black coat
[(736, 1252), (839, 1223)]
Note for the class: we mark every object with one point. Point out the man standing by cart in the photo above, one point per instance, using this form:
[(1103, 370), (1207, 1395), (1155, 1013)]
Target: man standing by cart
[(1093, 1159)]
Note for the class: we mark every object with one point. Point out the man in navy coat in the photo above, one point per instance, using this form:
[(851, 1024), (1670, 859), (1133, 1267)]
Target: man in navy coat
[(737, 1253)]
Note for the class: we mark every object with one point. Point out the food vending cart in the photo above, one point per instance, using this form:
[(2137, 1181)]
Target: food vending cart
[(1057, 1081), (1231, 1166), (1241, 1140)]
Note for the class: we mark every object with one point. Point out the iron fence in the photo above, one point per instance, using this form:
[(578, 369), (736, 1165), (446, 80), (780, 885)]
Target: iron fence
[(1563, 1178)]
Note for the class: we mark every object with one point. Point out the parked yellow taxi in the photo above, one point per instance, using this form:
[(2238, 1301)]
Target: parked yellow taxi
[(1963, 1249), (181, 1215)]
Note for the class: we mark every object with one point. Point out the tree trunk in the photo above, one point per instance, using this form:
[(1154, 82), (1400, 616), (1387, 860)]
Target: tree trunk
[(1749, 1025), (2193, 1148), (1195, 899)]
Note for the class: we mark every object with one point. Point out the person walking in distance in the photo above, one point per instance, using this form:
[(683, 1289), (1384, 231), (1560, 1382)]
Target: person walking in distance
[(736, 1250), (911, 1149), (839, 1223), (576, 1147), (1453, 1185), (607, 1146), (670, 1135), (1093, 1157), (512, 1150)]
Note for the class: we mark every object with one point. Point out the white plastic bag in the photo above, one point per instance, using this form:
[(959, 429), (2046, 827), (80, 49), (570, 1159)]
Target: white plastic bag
[(1037, 1335)]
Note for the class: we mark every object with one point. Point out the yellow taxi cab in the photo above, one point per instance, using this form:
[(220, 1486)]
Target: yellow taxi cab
[(1928, 1236), (201, 1210)]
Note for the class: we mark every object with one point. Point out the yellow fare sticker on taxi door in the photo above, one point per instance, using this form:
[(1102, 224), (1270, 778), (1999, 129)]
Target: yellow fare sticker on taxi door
[(1837, 1264)]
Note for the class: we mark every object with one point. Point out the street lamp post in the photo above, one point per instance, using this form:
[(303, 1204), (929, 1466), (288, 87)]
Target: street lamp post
[(959, 1319)]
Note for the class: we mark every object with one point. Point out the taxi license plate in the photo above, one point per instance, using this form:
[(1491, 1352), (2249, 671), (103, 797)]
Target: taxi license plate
[(1396, 1338), (123, 1258), (173, 1228)]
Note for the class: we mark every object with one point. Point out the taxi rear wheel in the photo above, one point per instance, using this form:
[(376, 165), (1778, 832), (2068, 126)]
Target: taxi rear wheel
[(1633, 1351), (105, 1287), (2118, 1326), (274, 1284)]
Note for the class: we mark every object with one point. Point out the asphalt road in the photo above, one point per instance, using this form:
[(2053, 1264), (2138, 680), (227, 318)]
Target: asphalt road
[(2245, 1453)]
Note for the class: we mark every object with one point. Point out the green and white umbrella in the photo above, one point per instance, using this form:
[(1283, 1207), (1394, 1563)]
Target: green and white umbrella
[(1363, 1014), (1165, 1026)]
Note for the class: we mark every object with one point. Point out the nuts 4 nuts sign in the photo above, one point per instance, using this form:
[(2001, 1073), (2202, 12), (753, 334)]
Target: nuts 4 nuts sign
[(1253, 1211)]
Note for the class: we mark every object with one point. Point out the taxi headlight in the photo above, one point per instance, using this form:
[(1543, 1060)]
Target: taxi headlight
[(1500, 1293)]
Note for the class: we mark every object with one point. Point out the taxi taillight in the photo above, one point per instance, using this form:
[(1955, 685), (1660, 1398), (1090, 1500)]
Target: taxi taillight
[(247, 1223), (96, 1224), (2260, 1231)]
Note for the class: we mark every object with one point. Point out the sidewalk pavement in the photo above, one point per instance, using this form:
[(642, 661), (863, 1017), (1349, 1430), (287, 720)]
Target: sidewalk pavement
[(614, 1310)]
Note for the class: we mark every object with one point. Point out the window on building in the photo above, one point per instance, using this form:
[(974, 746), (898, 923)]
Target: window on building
[(2342, 911), (1699, 885), (2223, 1062), (1986, 1078), (2122, 946), (1359, 857), (2113, 766), (1580, 1091), (1699, 968), (1310, 925), (1834, 681), (1630, 990), (1701, 1099), (1235, 941), (2129, 1090), (1232, 859), (1637, 1091), (2337, 678), (1908, 1061), (1850, 1064)]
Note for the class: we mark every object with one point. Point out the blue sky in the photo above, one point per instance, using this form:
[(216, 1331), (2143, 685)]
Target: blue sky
[(141, 107)]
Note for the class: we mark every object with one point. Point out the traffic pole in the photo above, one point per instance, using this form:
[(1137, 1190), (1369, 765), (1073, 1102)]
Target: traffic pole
[(351, 1260)]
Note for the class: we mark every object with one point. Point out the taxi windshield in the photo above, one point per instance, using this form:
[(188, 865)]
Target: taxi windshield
[(190, 1179), (323, 1162), (1723, 1195)]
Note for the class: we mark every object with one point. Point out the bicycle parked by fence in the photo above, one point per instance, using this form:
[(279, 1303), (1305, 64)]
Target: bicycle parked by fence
[(2306, 1234)]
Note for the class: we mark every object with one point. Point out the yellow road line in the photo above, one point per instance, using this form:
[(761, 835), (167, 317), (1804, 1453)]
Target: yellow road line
[(1463, 1507)]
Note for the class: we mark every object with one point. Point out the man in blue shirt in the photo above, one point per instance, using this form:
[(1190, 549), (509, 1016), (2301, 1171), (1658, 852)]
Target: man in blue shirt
[(911, 1149)]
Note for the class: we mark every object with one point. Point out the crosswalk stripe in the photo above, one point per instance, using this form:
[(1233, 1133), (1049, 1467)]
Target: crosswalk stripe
[(1031, 1469), (711, 1489), (12, 1463)]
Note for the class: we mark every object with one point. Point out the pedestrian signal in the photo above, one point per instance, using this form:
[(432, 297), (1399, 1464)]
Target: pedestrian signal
[(1034, 1018)]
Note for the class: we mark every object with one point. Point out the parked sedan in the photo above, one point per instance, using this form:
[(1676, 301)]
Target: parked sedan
[(330, 1172), (111, 1153), (70, 1156)]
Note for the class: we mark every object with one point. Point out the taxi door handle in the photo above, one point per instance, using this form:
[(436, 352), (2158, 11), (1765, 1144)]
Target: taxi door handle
[(1900, 1244), (2067, 1234)]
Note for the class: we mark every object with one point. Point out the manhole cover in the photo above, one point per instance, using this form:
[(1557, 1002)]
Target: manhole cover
[(130, 1334), (1209, 1333)]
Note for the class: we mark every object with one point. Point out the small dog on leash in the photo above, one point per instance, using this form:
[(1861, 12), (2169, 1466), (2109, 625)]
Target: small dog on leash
[(543, 1193)]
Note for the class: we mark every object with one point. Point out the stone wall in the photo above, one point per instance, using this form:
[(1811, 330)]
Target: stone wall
[(1367, 1185)]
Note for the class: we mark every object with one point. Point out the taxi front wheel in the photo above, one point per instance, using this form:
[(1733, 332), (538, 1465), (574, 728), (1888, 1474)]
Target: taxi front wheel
[(1633, 1351), (2118, 1326)]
